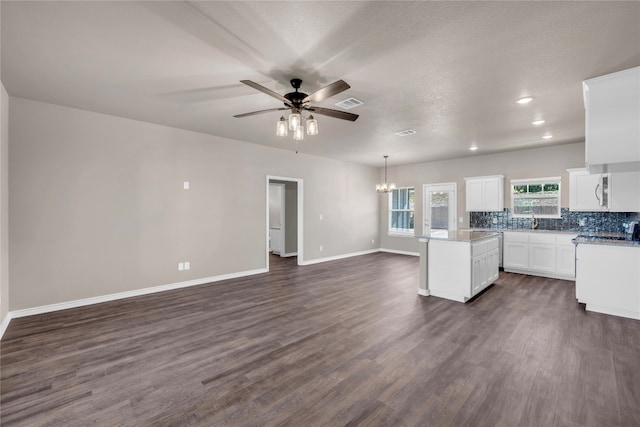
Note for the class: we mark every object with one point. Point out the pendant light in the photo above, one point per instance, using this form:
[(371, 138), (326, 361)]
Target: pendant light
[(298, 133), (385, 187), (312, 126), (294, 120), (282, 128)]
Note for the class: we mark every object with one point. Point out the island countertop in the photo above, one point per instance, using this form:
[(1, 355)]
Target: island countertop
[(460, 235)]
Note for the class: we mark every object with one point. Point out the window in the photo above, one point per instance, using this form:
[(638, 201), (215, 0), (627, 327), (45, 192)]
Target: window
[(401, 221), (539, 197)]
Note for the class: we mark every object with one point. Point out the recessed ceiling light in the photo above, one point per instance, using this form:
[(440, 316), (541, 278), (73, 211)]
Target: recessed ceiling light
[(473, 148), (547, 136), (525, 100), (406, 132), (538, 122)]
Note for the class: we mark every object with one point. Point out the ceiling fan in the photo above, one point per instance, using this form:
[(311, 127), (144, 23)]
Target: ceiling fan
[(298, 102)]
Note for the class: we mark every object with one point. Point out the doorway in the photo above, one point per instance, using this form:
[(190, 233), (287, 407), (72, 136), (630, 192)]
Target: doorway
[(440, 209), (284, 213)]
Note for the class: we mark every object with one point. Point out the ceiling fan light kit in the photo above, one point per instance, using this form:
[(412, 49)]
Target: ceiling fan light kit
[(297, 102)]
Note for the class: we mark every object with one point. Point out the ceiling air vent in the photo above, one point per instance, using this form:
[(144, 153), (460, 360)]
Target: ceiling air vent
[(349, 103), (406, 132)]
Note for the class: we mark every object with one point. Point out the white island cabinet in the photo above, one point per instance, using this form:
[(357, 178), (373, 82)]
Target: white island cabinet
[(458, 266)]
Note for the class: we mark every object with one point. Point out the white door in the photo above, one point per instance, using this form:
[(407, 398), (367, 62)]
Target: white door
[(440, 202)]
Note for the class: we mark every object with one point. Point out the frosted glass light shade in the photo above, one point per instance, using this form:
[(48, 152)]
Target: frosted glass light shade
[(282, 128), (312, 126), (298, 134), (294, 121), (385, 187)]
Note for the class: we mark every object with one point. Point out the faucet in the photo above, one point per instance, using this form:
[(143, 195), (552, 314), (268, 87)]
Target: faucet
[(534, 222)]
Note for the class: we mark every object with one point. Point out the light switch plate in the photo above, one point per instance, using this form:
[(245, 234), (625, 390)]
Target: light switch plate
[(185, 185), (187, 265), (180, 266)]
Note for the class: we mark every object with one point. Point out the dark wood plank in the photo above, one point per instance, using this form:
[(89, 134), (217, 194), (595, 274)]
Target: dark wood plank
[(341, 343)]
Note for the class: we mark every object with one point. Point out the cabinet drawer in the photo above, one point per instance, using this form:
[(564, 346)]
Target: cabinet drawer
[(549, 239), (492, 244), (516, 237), (478, 248)]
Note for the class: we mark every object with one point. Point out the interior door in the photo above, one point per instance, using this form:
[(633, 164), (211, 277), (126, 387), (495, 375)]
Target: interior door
[(440, 209)]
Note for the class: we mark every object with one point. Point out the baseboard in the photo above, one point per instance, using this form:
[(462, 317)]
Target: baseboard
[(128, 294), (337, 257), (424, 292), (288, 254), (394, 251), (539, 274), (4, 324), (613, 311)]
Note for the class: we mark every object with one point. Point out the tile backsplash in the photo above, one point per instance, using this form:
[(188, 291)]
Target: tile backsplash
[(583, 222)]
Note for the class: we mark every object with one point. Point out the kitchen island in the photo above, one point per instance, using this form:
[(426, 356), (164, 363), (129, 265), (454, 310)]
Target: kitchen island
[(458, 265)]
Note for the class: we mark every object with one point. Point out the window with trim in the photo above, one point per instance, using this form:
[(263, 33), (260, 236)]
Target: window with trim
[(539, 197), (401, 211)]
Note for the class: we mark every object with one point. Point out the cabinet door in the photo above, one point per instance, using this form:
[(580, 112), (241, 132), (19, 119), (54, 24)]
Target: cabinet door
[(493, 268), (473, 195), (566, 260), (493, 194), (586, 191), (542, 257), (612, 106), (516, 255), (479, 277), (624, 192)]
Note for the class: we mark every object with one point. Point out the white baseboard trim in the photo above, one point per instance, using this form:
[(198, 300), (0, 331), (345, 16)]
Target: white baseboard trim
[(424, 292), (337, 257), (4, 324), (128, 294), (394, 251), (613, 311), (289, 254)]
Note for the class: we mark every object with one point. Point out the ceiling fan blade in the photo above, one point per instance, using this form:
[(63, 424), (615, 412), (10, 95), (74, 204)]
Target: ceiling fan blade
[(327, 91), (333, 113), (265, 90), (253, 113)]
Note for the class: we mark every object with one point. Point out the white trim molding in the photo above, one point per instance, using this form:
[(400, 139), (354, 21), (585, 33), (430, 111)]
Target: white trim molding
[(288, 254), (4, 324), (128, 294), (337, 257), (424, 292), (394, 251)]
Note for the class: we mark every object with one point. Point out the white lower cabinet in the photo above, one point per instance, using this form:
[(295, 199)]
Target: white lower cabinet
[(608, 279), (540, 253)]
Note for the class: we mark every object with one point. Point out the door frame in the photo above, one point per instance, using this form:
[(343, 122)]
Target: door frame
[(283, 217), (454, 205), (300, 213)]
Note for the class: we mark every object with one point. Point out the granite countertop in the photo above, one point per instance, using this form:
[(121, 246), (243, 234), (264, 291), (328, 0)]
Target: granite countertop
[(461, 235), (591, 239), (525, 230)]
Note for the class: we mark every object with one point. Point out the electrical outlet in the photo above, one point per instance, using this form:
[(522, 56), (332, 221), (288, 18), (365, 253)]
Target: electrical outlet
[(187, 265), (494, 220), (321, 217), (320, 248), (180, 266), (185, 185), (373, 241), (582, 222)]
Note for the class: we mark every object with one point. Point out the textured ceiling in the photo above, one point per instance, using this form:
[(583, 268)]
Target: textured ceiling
[(449, 70)]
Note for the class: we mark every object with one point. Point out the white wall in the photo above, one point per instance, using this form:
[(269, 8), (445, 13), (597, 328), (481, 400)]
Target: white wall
[(97, 207), (534, 163)]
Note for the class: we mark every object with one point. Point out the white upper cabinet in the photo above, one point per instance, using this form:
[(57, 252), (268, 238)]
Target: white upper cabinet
[(612, 112), (484, 193), (588, 192), (614, 192)]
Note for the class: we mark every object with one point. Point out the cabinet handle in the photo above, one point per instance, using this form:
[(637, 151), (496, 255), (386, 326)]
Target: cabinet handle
[(599, 202)]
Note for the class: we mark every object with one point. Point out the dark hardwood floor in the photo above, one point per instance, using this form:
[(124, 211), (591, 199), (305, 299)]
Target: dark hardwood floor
[(341, 343)]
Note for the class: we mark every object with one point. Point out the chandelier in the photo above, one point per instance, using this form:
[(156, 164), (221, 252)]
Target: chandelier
[(385, 187), (295, 125)]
